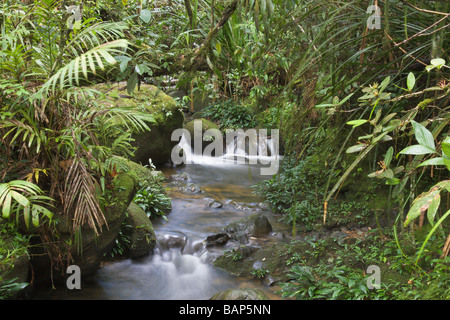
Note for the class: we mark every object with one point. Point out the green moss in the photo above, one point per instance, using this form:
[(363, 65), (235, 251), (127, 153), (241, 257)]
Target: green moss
[(124, 191), (155, 144), (144, 175), (206, 125)]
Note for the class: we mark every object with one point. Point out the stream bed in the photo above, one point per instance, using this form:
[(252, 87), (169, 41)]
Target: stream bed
[(180, 267)]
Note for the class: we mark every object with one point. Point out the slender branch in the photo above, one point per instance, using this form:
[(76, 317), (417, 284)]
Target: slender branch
[(227, 12), (187, 4), (423, 31), (422, 10)]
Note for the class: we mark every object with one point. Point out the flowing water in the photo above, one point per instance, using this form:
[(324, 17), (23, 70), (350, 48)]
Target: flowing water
[(181, 266)]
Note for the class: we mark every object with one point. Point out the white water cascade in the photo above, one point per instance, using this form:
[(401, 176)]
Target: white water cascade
[(262, 150)]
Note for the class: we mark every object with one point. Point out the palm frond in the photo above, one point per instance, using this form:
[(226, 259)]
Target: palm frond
[(80, 200), (95, 59), (20, 196)]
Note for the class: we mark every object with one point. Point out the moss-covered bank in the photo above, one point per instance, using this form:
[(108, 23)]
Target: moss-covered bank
[(156, 144)]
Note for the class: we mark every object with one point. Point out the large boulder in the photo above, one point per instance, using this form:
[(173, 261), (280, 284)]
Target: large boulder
[(256, 225), (143, 174), (90, 248), (142, 237), (155, 144), (206, 125)]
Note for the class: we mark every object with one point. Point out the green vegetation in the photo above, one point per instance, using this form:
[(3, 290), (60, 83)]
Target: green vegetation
[(153, 201), (363, 115)]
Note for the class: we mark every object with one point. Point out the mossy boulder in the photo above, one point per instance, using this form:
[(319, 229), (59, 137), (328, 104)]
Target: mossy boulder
[(90, 248), (142, 235), (95, 246), (155, 144), (205, 125), (143, 174)]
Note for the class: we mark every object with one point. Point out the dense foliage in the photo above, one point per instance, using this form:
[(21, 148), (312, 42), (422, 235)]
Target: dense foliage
[(362, 112)]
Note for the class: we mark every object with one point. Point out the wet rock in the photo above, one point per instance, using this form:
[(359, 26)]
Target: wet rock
[(240, 294), (142, 237), (269, 281), (192, 187), (213, 203), (217, 240), (205, 125), (246, 251), (256, 225), (258, 265), (261, 226), (176, 94), (169, 241)]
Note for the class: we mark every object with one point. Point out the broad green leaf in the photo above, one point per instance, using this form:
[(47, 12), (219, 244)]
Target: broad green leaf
[(423, 136), (411, 81), (432, 209), (435, 63), (387, 118), (35, 216), (398, 169), (20, 198), (421, 204), (26, 215), (392, 181), (356, 148), (145, 15), (6, 206), (389, 173), (388, 157), (108, 58), (218, 47), (132, 82), (123, 65), (417, 149), (438, 62), (357, 123), (384, 83), (325, 105), (438, 161), (446, 147), (447, 163)]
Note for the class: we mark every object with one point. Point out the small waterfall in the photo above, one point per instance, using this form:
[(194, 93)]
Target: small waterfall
[(181, 265), (238, 150), (178, 269)]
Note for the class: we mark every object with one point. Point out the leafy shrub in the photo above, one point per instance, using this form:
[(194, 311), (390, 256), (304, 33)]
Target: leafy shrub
[(293, 192), (230, 115), (153, 201), (330, 282)]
